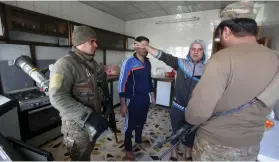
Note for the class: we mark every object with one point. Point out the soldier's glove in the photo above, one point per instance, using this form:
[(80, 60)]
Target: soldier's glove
[(95, 126)]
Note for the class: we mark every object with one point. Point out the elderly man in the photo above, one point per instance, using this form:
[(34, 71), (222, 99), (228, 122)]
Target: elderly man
[(233, 77), (74, 93), (189, 71)]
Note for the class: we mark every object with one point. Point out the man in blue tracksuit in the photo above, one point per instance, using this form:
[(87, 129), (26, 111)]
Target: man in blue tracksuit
[(134, 87), (189, 71)]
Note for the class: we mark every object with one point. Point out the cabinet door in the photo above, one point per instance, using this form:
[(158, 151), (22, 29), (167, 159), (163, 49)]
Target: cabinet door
[(3, 30), (22, 20), (264, 41), (163, 93), (116, 98), (53, 26)]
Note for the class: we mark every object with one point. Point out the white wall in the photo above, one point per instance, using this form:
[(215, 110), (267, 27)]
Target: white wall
[(270, 14), (175, 38), (271, 24), (270, 28), (73, 11)]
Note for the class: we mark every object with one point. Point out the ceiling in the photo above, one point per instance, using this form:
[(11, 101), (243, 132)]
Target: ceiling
[(133, 10)]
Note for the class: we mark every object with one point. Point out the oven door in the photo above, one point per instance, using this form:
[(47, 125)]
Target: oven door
[(37, 121)]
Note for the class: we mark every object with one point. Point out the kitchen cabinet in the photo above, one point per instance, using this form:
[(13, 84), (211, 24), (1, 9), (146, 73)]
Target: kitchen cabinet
[(3, 30), (28, 21), (113, 89), (21, 20), (109, 40), (264, 41), (116, 98), (163, 90)]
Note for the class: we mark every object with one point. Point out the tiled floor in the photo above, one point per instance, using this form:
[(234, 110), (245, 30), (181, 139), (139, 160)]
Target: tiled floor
[(157, 128)]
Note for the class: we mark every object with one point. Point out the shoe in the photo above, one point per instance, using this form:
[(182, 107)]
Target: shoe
[(188, 159), (143, 145), (173, 158), (129, 157)]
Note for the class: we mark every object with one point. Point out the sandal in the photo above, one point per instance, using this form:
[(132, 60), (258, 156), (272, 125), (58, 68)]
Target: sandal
[(128, 158), (189, 159), (173, 158)]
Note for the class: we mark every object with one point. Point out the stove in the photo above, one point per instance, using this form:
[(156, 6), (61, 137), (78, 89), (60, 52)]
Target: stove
[(39, 120), (30, 98)]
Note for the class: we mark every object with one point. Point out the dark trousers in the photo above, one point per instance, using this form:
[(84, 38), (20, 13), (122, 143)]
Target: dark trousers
[(138, 107), (177, 121)]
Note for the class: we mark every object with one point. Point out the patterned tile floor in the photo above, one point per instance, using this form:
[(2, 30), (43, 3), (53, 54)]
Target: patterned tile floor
[(157, 129)]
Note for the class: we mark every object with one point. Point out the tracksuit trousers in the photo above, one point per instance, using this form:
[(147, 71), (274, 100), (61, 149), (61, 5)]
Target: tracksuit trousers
[(177, 122), (138, 106)]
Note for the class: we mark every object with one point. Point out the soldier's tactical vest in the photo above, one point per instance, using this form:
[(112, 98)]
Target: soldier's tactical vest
[(88, 93)]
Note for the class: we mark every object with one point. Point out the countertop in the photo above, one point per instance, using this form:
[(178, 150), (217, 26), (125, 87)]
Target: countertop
[(112, 77), (162, 78), (156, 77)]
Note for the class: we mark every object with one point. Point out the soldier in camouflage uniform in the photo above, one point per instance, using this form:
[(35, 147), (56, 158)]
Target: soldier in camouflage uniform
[(232, 78), (73, 91)]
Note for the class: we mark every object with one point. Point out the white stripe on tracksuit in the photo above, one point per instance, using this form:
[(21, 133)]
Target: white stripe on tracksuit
[(176, 105), (122, 73), (126, 118)]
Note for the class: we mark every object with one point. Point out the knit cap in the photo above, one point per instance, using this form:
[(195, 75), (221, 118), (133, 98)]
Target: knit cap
[(82, 34)]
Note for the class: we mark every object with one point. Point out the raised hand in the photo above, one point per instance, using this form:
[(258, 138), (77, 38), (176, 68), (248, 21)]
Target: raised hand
[(139, 45)]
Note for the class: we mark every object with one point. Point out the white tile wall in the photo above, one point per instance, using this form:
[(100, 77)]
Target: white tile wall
[(73, 11), (176, 37), (271, 10), (270, 23), (115, 57), (270, 28)]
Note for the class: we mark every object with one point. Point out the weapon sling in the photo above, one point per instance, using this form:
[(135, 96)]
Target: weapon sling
[(187, 129), (263, 98)]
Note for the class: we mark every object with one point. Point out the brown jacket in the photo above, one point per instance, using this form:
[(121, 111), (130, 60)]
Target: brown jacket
[(233, 77)]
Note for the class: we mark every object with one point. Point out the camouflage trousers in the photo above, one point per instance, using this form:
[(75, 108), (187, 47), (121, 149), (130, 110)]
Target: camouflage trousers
[(77, 141), (206, 151)]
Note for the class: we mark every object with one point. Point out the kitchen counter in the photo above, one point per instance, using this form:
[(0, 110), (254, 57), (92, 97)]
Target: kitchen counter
[(113, 89), (162, 78), (112, 77), (163, 90)]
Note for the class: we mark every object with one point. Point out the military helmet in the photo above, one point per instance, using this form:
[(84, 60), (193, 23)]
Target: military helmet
[(243, 9)]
